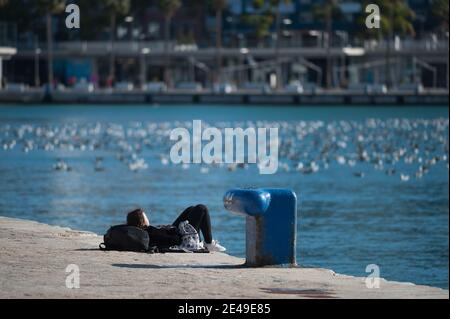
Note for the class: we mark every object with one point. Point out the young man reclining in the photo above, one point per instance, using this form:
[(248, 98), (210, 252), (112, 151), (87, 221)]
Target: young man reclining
[(167, 235)]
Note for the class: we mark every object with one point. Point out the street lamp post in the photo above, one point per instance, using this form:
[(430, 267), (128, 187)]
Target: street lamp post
[(243, 55), (129, 20), (340, 77), (37, 53), (37, 80), (143, 77)]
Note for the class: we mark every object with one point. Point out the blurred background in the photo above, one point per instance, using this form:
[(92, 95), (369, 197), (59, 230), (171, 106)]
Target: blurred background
[(281, 45)]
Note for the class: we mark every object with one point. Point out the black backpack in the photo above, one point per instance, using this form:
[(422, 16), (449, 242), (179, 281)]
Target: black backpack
[(126, 238)]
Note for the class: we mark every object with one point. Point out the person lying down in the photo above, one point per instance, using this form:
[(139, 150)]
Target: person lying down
[(173, 235)]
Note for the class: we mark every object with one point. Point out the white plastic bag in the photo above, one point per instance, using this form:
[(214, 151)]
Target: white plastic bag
[(190, 239)]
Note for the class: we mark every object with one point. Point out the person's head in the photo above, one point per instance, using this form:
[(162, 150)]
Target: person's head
[(137, 218)]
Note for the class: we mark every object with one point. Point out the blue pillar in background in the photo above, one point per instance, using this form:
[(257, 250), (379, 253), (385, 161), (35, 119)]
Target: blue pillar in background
[(271, 224)]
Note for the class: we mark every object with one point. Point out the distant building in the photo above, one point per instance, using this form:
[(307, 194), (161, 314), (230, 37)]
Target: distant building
[(85, 55)]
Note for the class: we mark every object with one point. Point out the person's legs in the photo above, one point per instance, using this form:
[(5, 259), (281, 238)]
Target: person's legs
[(183, 216), (205, 224), (198, 217)]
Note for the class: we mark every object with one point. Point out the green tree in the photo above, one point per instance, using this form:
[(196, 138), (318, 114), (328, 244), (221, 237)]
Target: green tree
[(3, 3), (93, 18), (440, 12), (49, 8), (396, 18), (327, 13), (114, 8), (260, 22), (275, 6), (16, 11), (219, 6), (168, 9)]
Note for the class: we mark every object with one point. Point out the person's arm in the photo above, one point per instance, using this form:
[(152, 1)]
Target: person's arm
[(163, 236)]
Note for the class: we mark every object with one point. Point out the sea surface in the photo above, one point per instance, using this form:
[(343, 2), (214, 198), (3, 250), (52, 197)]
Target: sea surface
[(372, 182)]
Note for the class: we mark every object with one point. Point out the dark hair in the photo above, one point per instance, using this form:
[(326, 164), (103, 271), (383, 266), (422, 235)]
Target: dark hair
[(136, 218)]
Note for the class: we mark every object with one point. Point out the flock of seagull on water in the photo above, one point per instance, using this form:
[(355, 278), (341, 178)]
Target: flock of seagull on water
[(305, 147)]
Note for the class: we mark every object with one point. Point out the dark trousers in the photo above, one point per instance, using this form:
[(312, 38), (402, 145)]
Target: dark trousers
[(198, 217)]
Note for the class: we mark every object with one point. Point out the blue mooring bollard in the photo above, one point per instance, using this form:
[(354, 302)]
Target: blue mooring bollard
[(271, 222)]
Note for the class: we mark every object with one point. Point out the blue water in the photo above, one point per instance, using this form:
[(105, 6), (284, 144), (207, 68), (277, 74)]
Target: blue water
[(379, 210)]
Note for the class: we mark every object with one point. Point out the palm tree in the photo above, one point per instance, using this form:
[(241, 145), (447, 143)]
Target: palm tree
[(219, 6), (168, 8), (94, 18), (399, 18), (276, 5), (2, 4), (260, 22), (114, 8), (440, 12), (49, 8), (439, 9), (395, 19), (328, 12)]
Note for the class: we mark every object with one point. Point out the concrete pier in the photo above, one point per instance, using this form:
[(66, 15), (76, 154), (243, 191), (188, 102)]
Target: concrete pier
[(34, 258), (104, 96)]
